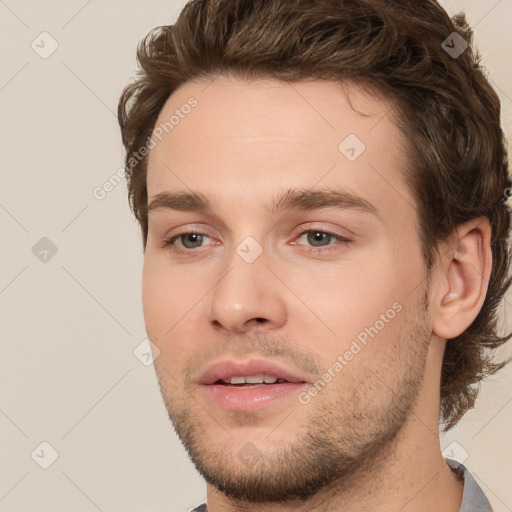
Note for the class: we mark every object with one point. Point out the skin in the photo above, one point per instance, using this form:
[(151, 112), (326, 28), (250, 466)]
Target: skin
[(373, 430)]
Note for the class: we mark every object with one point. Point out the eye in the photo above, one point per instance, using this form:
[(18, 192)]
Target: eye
[(318, 238), (190, 240)]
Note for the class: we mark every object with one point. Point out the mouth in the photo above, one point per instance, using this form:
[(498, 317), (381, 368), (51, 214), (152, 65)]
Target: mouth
[(249, 385), (251, 381), (252, 372)]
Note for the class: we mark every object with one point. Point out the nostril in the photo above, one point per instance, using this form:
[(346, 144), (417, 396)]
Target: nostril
[(260, 319)]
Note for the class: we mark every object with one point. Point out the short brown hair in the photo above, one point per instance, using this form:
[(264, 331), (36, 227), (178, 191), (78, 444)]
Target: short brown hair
[(447, 111)]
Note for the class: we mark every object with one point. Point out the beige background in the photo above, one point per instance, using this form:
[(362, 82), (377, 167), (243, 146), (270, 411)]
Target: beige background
[(69, 326)]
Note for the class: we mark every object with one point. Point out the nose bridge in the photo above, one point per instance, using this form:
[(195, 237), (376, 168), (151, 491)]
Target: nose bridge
[(247, 290)]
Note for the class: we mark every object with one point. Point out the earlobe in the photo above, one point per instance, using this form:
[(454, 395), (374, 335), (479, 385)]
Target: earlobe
[(463, 275)]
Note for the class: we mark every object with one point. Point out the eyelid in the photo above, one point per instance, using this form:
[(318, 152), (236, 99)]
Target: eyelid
[(183, 229)]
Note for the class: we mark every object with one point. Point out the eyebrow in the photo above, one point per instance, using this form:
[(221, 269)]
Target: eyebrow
[(292, 199)]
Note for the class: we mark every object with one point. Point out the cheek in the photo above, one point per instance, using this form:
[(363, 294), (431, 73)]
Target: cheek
[(347, 298), (172, 302), (164, 297), (358, 310), (154, 301)]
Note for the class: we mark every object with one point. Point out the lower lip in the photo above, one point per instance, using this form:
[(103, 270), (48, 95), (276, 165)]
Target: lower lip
[(251, 398)]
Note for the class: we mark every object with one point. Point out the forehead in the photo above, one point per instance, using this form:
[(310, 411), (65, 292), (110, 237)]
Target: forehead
[(244, 139)]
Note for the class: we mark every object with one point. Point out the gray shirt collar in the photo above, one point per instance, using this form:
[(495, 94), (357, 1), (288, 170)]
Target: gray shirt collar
[(473, 498)]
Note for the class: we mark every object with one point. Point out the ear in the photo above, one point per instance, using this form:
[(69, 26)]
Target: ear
[(462, 278)]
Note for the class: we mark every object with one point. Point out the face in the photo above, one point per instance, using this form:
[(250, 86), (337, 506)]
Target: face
[(282, 247)]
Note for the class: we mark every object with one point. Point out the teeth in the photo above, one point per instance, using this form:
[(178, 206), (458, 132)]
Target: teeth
[(251, 379), (254, 379)]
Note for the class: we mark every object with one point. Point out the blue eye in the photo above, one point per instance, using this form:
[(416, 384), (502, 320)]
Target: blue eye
[(193, 240), (189, 241), (318, 238)]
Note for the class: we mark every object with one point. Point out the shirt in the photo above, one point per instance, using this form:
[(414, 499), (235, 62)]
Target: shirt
[(473, 498)]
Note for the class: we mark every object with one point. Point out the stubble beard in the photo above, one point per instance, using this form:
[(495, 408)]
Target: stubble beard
[(342, 435)]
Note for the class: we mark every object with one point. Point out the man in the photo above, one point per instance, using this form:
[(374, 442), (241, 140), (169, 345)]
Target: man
[(321, 190)]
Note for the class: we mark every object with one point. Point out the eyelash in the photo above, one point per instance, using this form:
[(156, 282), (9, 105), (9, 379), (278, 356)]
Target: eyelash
[(169, 243)]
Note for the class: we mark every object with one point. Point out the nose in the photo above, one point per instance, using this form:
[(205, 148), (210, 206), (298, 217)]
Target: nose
[(247, 296)]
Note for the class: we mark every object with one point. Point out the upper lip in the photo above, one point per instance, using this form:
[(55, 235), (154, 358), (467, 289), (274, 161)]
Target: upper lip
[(226, 369)]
